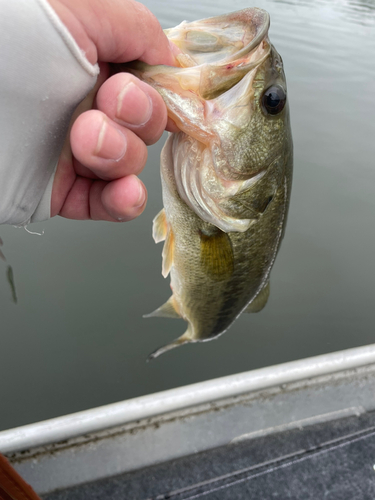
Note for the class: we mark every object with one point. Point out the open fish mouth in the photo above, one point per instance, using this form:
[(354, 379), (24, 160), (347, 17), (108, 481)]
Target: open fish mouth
[(222, 49)]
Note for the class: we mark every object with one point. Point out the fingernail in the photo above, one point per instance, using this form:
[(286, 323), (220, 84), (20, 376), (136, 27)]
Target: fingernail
[(142, 195), (111, 143), (134, 107)]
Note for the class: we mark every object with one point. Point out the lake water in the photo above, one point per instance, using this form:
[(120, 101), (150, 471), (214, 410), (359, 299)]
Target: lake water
[(76, 339)]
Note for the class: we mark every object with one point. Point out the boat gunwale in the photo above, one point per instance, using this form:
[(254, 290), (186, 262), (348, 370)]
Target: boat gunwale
[(99, 419)]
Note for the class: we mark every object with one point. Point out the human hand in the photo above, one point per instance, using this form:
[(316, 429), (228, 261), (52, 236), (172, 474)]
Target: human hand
[(106, 148)]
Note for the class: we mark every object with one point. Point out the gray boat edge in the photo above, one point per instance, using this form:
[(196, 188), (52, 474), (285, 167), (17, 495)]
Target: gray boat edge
[(139, 432)]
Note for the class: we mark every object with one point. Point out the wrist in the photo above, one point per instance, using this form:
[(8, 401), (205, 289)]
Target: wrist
[(76, 29)]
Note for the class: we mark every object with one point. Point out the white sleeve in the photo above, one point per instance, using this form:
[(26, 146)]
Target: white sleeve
[(43, 77)]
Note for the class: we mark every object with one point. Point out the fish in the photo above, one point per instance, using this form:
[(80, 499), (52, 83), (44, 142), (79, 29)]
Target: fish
[(226, 175)]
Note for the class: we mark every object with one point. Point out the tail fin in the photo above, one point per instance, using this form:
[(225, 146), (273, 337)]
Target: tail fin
[(184, 339)]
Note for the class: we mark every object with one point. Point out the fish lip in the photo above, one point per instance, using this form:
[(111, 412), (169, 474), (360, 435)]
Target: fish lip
[(255, 16), (213, 77), (217, 76), (261, 34)]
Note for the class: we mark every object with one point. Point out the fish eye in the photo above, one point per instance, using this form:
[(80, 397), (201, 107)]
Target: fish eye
[(273, 100)]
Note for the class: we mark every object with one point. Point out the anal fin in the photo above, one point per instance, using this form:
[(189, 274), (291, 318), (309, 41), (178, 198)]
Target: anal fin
[(260, 300), (167, 310)]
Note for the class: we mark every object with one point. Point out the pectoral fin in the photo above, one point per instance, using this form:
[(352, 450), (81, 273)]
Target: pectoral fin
[(260, 300), (167, 310), (217, 255), (159, 227)]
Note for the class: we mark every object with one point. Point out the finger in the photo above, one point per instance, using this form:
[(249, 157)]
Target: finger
[(121, 31), (104, 148), (133, 104), (171, 126), (65, 173), (123, 199), (116, 201)]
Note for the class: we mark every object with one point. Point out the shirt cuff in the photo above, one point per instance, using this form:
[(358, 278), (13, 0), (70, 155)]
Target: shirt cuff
[(45, 75)]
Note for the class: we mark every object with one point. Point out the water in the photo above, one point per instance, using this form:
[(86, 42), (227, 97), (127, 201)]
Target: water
[(76, 339)]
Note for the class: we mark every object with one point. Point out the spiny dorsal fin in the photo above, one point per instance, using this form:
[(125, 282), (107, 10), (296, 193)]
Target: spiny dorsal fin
[(184, 339), (167, 254), (217, 255), (167, 310), (159, 227), (12, 486), (260, 300)]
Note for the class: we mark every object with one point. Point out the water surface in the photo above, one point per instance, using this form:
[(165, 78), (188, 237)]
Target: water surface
[(76, 339)]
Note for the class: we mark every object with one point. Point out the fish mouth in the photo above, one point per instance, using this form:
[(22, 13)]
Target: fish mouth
[(216, 53), (223, 38), (223, 48)]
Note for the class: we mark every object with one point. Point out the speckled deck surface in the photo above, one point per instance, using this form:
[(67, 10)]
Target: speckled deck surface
[(332, 461)]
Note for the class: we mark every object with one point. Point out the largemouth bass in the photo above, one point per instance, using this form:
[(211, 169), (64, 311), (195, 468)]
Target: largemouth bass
[(227, 175)]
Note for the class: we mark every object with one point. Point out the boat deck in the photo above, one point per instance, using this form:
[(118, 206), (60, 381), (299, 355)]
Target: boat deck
[(331, 460), (301, 430)]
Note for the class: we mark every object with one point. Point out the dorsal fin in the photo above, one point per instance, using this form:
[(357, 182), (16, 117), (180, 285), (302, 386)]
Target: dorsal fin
[(167, 310), (260, 300)]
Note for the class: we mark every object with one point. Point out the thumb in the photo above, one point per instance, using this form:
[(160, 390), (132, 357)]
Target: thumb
[(115, 31)]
